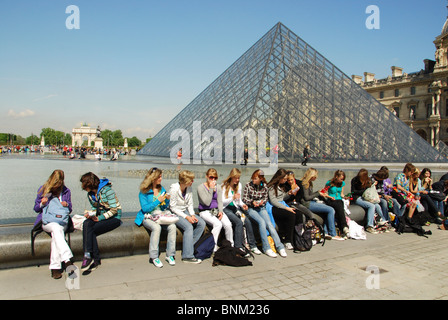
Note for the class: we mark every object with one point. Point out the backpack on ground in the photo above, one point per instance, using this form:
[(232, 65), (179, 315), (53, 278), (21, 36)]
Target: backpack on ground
[(302, 238), (406, 225), (305, 234), (203, 249), (230, 256)]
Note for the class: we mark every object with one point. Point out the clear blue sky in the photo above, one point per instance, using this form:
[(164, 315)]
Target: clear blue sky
[(134, 64)]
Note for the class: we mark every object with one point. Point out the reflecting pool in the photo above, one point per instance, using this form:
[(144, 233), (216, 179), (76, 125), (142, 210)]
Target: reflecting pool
[(22, 175)]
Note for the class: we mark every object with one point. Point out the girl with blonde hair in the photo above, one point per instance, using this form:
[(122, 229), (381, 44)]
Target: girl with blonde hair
[(308, 201), (211, 207), (54, 190), (153, 198), (233, 208), (191, 224)]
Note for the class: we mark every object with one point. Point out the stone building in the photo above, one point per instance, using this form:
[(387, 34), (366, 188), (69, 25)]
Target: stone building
[(419, 99), (85, 135)]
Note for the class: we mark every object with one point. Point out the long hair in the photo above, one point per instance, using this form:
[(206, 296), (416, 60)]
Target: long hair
[(422, 174), (54, 184), (363, 176), (336, 175), (152, 175), (257, 174), (306, 180), (227, 181), (275, 180)]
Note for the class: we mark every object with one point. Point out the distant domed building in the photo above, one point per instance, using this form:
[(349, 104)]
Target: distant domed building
[(419, 98)]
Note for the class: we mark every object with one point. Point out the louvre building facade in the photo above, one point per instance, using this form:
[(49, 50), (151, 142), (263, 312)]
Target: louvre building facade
[(284, 86)]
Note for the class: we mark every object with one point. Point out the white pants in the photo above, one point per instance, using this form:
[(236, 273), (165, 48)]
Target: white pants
[(217, 226), (60, 251)]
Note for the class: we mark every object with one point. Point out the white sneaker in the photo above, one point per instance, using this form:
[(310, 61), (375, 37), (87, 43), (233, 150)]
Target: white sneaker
[(382, 222), (282, 253), (171, 261), (255, 250), (289, 246), (271, 253), (156, 262)]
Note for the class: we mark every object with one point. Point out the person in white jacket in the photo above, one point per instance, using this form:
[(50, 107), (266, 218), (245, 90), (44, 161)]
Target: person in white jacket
[(234, 209), (192, 225)]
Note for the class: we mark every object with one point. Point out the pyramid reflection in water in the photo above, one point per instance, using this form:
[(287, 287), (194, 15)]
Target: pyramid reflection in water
[(282, 83)]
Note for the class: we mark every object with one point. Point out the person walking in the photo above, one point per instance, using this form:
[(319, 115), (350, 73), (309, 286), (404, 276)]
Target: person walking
[(306, 154)]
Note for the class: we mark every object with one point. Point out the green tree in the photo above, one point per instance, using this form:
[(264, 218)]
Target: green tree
[(112, 138), (134, 142), (32, 140)]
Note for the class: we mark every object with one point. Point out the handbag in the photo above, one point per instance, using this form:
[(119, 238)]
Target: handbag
[(163, 217), (55, 212), (371, 195), (356, 231)]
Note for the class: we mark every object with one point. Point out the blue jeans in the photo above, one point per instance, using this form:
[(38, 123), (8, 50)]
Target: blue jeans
[(371, 208), (191, 234), (156, 229), (440, 206), (238, 225), (261, 217), (329, 226)]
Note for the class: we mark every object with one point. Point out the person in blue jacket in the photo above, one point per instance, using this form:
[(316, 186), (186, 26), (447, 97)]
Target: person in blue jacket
[(153, 201)]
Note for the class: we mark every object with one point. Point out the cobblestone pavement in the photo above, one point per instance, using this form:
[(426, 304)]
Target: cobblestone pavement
[(409, 266)]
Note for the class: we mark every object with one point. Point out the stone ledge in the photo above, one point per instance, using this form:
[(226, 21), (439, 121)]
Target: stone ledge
[(126, 240)]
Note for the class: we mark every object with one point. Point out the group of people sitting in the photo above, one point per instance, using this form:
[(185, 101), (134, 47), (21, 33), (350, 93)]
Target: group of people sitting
[(274, 208)]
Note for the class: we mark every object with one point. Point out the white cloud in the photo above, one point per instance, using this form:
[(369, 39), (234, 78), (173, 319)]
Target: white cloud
[(45, 98), (22, 114)]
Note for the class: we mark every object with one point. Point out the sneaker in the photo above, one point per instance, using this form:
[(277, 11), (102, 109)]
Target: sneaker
[(382, 222), (94, 265), (271, 253), (282, 253), (338, 238), (171, 261), (192, 260), (255, 251), (371, 230), (289, 246), (56, 274), (86, 262), (156, 262)]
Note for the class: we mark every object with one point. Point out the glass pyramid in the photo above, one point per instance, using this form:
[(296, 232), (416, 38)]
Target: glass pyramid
[(282, 83)]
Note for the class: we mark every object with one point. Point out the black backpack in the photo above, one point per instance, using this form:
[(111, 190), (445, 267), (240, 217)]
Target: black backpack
[(305, 233), (229, 256), (203, 248), (406, 225)]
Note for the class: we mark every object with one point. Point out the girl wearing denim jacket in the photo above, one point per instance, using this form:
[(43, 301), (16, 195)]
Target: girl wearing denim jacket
[(153, 198)]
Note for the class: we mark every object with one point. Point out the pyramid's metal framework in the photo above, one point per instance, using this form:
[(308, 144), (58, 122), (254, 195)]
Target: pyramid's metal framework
[(283, 83)]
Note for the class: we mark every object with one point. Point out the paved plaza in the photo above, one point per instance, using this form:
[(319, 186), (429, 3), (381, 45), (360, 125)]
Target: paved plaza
[(410, 267)]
